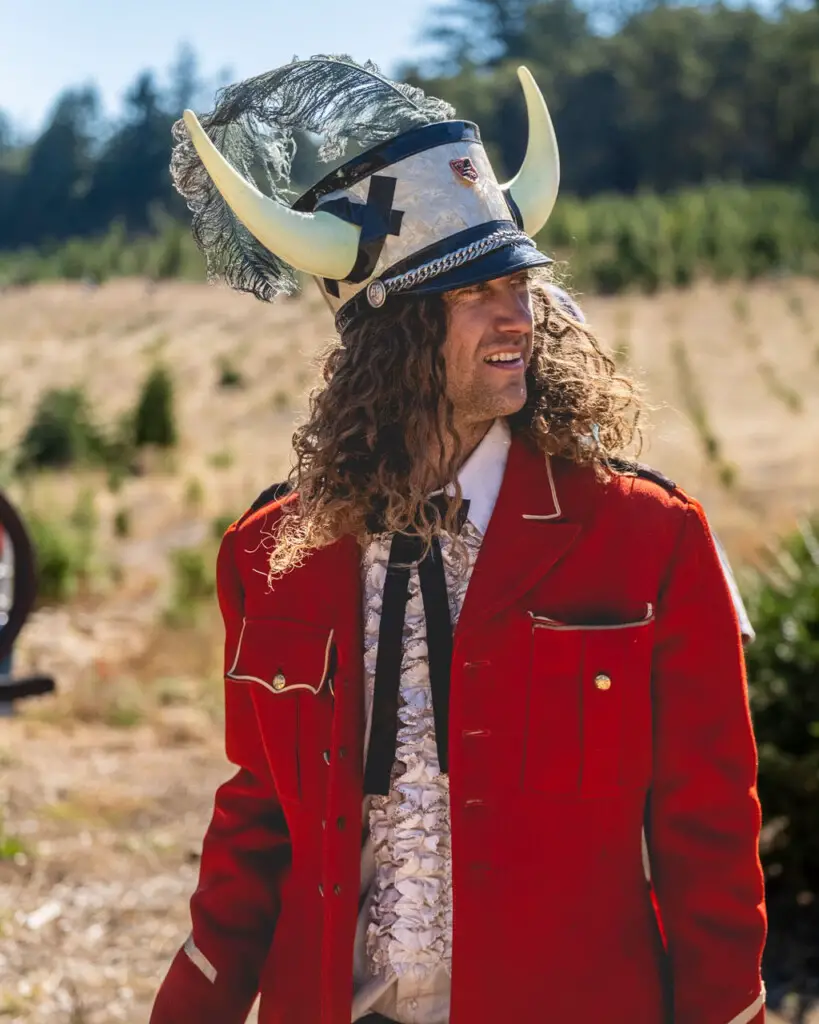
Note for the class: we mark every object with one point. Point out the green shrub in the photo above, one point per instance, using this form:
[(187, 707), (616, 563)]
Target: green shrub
[(229, 374), (221, 460), (645, 242), (154, 418), (66, 549), (11, 848), (169, 251), (612, 242), (61, 433), (194, 496), (783, 668), (220, 524), (193, 582), (122, 523), (62, 565)]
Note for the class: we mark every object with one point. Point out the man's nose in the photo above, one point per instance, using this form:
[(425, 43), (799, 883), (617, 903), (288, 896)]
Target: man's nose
[(515, 312)]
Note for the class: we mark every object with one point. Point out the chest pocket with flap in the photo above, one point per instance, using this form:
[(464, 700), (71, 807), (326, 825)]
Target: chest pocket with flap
[(290, 665), (589, 716)]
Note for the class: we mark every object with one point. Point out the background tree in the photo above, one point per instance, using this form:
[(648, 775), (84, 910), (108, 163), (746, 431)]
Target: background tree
[(645, 95), (46, 199)]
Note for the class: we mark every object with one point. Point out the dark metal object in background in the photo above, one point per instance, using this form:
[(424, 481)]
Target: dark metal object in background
[(23, 593)]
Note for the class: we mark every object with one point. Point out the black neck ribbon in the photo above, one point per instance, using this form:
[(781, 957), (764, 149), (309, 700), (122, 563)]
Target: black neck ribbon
[(406, 549)]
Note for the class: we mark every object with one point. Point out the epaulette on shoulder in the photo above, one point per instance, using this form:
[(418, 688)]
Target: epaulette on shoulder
[(625, 467), (272, 493)]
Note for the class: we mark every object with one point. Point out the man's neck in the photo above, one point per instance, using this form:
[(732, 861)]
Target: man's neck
[(470, 436)]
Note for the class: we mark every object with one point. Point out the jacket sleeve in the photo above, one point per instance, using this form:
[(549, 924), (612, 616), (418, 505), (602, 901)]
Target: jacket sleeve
[(703, 819), (214, 977)]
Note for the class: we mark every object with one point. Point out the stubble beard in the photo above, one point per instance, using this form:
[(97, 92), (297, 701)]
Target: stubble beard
[(480, 403)]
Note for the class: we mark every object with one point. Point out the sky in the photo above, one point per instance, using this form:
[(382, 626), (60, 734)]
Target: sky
[(48, 45)]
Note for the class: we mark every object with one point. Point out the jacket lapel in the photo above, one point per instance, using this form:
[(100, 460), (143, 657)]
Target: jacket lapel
[(527, 534)]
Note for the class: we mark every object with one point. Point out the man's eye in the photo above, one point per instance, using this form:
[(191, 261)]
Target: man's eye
[(471, 293)]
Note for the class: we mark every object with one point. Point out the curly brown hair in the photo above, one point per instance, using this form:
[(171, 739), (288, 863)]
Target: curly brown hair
[(384, 396)]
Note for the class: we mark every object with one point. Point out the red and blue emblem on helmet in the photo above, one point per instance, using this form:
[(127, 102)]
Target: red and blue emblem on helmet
[(465, 170)]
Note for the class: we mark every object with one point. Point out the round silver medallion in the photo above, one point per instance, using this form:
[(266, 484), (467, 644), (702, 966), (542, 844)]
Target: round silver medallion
[(376, 293)]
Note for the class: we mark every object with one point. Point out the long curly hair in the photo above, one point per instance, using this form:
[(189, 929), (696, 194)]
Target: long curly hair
[(384, 398)]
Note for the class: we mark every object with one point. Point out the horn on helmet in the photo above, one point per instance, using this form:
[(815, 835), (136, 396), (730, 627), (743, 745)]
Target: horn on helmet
[(534, 188), (320, 244)]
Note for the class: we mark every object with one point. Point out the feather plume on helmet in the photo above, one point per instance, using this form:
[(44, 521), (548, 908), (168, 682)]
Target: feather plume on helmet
[(418, 209)]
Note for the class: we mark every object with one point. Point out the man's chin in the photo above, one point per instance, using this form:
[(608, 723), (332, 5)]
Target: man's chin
[(499, 410), (514, 401), (490, 406)]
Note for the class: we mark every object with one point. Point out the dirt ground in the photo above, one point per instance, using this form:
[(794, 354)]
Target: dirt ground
[(114, 820), (106, 788)]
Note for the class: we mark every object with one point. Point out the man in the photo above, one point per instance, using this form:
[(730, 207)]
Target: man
[(519, 656)]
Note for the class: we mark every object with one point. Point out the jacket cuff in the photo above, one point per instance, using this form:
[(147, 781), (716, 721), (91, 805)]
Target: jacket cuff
[(193, 990), (754, 1013)]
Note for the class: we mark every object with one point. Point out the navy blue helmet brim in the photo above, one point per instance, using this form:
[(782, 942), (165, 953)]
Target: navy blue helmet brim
[(501, 263)]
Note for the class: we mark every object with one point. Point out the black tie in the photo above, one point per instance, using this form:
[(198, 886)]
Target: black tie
[(405, 549)]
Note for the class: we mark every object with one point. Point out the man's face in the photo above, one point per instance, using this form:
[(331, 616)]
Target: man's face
[(487, 348)]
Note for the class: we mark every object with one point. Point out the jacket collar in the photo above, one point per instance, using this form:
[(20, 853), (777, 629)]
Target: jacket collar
[(527, 534)]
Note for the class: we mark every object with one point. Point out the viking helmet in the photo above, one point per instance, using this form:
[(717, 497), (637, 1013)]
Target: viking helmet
[(417, 210)]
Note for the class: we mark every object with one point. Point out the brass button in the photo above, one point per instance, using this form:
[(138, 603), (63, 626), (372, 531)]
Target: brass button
[(279, 682), (321, 889), (326, 756), (602, 681)]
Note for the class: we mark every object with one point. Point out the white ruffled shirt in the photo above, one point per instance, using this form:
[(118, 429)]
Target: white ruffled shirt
[(403, 948)]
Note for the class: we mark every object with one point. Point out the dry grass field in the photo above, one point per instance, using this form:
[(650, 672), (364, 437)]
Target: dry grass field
[(106, 788)]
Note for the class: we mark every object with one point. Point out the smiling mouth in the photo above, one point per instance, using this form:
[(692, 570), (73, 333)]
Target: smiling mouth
[(505, 361)]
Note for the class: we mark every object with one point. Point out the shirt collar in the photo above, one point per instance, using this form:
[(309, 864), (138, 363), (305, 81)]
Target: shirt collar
[(481, 475)]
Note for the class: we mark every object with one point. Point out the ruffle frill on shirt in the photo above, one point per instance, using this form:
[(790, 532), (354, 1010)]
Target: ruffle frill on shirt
[(410, 928)]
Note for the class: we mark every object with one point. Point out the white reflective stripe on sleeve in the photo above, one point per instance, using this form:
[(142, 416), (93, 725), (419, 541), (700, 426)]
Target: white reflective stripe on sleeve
[(751, 1011), (198, 958)]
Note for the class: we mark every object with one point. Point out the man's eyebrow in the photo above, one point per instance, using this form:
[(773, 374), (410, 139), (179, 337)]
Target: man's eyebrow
[(469, 288)]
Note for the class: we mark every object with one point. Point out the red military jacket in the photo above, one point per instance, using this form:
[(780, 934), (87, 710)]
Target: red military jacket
[(597, 690)]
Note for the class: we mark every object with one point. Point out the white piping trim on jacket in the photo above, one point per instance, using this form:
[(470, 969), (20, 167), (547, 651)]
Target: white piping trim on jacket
[(198, 959), (645, 854), (558, 512), (269, 686), (543, 622), (748, 1014)]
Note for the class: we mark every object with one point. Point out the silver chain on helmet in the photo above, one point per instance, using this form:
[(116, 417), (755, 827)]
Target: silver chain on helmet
[(454, 259)]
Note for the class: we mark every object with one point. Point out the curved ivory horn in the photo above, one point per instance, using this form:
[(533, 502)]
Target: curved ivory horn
[(320, 244), (534, 187)]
